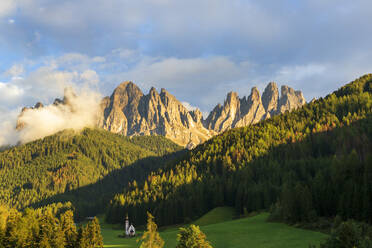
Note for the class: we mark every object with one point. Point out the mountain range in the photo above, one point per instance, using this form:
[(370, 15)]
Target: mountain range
[(128, 111), (303, 165)]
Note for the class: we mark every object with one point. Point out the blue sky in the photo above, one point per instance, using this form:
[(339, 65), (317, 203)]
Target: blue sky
[(197, 49)]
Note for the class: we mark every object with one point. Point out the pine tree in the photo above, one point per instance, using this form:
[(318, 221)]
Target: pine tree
[(51, 234), (151, 238), (69, 229), (90, 235), (192, 237)]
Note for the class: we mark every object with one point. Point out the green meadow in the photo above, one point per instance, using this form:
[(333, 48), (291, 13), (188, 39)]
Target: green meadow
[(222, 231)]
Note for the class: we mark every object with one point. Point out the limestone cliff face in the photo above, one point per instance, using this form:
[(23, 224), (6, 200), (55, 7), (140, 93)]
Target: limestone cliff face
[(129, 112), (290, 99), (120, 111), (270, 99), (223, 117), (252, 110), (237, 112)]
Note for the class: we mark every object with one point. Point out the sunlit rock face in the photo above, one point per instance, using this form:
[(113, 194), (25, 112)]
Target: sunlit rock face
[(128, 111), (238, 112)]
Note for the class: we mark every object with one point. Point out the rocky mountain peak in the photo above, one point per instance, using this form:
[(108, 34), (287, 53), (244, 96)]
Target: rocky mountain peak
[(223, 116), (167, 97), (286, 90), (153, 95), (300, 97), (255, 95), (270, 97), (231, 97), (252, 109), (290, 99), (38, 105), (163, 91), (153, 91), (129, 112), (196, 115), (160, 114), (126, 91), (126, 84)]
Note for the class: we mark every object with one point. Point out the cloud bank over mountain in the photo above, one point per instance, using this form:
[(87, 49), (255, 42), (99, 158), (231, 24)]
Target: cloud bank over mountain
[(78, 109)]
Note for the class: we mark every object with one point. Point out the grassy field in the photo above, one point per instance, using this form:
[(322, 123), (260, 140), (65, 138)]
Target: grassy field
[(224, 232)]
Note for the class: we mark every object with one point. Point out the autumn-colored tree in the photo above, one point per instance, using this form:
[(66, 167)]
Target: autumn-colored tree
[(90, 235), (51, 234), (69, 229), (192, 237), (151, 238)]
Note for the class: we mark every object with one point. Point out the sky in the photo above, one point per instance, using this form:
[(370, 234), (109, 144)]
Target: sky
[(197, 49)]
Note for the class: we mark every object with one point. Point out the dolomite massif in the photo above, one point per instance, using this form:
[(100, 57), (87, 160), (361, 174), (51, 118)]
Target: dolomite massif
[(128, 111)]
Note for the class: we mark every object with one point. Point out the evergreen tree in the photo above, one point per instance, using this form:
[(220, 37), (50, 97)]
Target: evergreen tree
[(348, 235), (69, 229), (192, 237), (151, 238), (51, 234), (90, 235), (4, 212)]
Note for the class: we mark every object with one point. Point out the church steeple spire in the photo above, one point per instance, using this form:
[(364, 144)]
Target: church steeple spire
[(127, 225)]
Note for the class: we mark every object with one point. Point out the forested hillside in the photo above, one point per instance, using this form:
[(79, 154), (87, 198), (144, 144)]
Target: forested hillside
[(49, 226), (314, 161), (86, 168)]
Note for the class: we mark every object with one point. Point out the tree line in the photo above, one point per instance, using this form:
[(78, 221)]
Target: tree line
[(50, 226), (311, 162), (77, 167)]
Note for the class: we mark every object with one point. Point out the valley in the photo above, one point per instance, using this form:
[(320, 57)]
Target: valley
[(307, 167), (223, 231), (185, 124)]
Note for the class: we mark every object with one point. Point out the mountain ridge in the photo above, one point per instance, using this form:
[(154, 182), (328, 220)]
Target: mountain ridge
[(301, 165), (130, 112)]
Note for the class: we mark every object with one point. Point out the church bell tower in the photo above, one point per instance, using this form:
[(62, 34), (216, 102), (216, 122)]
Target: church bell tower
[(126, 226)]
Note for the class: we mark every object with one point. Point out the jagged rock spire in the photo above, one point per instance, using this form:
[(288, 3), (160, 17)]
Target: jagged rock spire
[(252, 109), (129, 112)]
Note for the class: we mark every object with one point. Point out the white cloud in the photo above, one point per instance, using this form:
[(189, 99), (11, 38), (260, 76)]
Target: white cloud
[(98, 59), (8, 134), (81, 111), (46, 79), (191, 71), (300, 72), (15, 71), (7, 7), (90, 77), (126, 53), (10, 93), (44, 84)]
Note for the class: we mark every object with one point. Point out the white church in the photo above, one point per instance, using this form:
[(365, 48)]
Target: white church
[(130, 231)]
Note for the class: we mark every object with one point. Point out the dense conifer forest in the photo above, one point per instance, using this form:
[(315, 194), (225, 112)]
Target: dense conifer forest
[(313, 162), (78, 167), (49, 226)]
